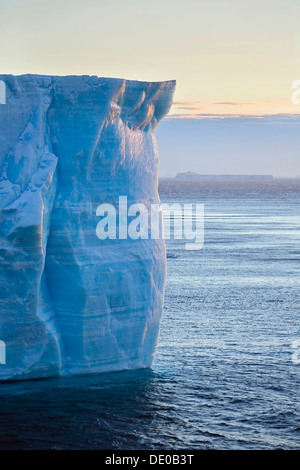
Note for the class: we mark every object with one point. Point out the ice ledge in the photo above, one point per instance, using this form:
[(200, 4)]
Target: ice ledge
[(141, 105)]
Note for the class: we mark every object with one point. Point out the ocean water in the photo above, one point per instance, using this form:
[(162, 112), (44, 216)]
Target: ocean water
[(224, 376)]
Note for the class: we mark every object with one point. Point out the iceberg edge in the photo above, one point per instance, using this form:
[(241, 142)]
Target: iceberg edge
[(71, 303)]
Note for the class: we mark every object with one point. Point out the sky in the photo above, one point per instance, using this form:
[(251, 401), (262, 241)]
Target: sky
[(244, 145), (232, 60)]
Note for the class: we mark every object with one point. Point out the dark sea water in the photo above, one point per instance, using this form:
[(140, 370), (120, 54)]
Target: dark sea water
[(223, 376)]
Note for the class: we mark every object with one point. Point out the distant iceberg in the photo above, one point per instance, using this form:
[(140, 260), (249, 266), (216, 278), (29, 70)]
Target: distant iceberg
[(71, 303), (191, 175)]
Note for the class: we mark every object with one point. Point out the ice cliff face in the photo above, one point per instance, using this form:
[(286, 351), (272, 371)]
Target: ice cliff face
[(69, 302)]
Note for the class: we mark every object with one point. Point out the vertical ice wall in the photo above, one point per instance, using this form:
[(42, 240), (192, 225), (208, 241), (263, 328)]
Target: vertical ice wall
[(69, 302)]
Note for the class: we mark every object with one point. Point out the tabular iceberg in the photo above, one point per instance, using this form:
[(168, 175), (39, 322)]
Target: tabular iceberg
[(71, 303)]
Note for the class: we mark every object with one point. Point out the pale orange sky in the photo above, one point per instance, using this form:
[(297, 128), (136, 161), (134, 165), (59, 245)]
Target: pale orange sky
[(229, 57), (200, 110)]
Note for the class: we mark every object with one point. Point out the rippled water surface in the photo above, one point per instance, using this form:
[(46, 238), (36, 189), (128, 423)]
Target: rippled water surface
[(223, 377)]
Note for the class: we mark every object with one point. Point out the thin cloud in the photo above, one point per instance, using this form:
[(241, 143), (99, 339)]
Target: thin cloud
[(234, 103), (286, 116), (234, 109), (188, 105), (189, 108)]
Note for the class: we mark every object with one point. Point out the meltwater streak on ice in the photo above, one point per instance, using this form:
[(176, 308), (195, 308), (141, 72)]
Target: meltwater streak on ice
[(71, 303), (223, 377)]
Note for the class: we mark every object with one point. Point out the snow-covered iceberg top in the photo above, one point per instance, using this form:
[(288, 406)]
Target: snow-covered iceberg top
[(69, 302)]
